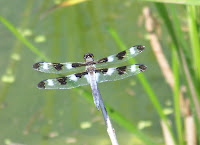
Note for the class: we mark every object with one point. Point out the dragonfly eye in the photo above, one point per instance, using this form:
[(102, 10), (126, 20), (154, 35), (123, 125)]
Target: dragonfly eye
[(88, 55)]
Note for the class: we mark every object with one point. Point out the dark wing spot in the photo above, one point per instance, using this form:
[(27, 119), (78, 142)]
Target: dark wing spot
[(57, 66), (77, 64), (121, 70), (79, 75), (62, 80), (142, 67), (121, 55), (102, 60), (104, 70), (41, 85), (36, 66), (140, 47)]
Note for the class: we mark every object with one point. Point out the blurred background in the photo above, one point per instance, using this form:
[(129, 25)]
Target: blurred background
[(155, 107)]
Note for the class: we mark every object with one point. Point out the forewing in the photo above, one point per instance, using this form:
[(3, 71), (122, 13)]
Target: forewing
[(68, 82), (121, 56), (118, 73), (58, 68)]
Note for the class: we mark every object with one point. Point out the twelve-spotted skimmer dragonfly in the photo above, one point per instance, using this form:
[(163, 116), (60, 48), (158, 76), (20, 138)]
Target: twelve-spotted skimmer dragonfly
[(91, 75)]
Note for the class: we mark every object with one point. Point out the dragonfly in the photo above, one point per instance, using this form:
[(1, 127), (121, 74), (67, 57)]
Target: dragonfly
[(92, 73)]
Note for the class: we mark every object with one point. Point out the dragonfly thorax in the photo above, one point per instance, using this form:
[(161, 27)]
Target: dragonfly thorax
[(90, 68)]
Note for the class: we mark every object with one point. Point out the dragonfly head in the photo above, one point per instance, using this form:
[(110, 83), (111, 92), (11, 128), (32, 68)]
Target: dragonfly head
[(88, 57)]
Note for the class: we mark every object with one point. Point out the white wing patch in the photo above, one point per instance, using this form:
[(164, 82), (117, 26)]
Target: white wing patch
[(110, 71), (133, 68), (73, 77), (110, 58), (132, 50), (69, 66), (97, 76), (88, 79), (45, 66), (50, 82)]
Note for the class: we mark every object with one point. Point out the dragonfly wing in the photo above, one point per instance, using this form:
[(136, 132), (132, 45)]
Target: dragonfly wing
[(118, 73), (121, 56), (58, 68), (68, 82)]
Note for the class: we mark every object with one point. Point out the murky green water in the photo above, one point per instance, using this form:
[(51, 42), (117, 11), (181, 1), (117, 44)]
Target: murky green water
[(31, 116)]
